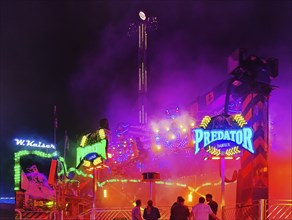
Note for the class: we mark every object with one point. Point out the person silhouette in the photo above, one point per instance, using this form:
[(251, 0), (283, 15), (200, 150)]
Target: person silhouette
[(201, 211), (136, 212), (213, 205), (151, 212), (179, 211)]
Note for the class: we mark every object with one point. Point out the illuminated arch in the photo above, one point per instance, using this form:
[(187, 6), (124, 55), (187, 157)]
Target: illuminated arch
[(17, 167)]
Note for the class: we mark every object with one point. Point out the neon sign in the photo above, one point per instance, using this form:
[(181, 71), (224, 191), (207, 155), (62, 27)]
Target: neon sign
[(32, 143), (225, 138), (223, 135), (98, 147)]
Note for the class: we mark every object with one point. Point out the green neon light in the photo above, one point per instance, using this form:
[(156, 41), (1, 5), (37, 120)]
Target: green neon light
[(168, 183), (62, 171), (65, 171), (17, 167), (79, 172), (98, 147), (134, 181), (191, 189), (181, 185), (159, 182), (101, 184)]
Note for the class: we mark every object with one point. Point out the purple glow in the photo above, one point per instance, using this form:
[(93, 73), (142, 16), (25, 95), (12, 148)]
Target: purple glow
[(189, 61), (79, 55)]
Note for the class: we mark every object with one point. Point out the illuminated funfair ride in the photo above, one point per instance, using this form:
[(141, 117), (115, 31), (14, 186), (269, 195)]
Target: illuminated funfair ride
[(234, 125), (145, 25), (248, 91), (38, 173), (91, 155), (228, 130), (45, 189)]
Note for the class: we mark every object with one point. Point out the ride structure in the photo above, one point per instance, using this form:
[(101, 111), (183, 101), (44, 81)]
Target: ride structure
[(45, 189), (92, 153), (252, 78), (247, 93), (37, 172), (143, 27), (244, 96)]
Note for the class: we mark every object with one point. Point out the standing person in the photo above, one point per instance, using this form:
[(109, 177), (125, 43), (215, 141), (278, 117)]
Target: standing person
[(213, 205), (179, 211), (136, 212), (151, 212), (202, 211)]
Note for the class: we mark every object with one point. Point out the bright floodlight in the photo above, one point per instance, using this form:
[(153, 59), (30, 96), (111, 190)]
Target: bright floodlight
[(142, 15)]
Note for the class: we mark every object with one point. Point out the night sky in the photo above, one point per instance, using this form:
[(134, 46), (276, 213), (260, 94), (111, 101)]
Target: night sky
[(78, 55)]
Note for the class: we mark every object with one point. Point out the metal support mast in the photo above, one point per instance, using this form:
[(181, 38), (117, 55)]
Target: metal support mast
[(143, 27), (143, 70), (252, 81)]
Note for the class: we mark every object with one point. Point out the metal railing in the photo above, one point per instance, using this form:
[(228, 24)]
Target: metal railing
[(117, 214), (259, 210), (25, 215), (106, 214), (280, 209), (256, 210)]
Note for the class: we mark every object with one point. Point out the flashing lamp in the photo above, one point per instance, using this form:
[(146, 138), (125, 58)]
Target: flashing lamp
[(101, 133), (91, 138), (213, 151), (215, 158), (239, 120), (190, 197), (86, 163), (173, 137), (205, 121), (104, 193), (123, 150), (219, 157), (96, 161), (91, 159), (83, 140), (172, 133), (232, 151), (101, 166), (228, 158), (172, 112), (142, 15)]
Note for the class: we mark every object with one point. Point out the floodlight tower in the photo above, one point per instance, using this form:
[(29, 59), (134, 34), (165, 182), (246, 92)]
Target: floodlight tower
[(143, 27)]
